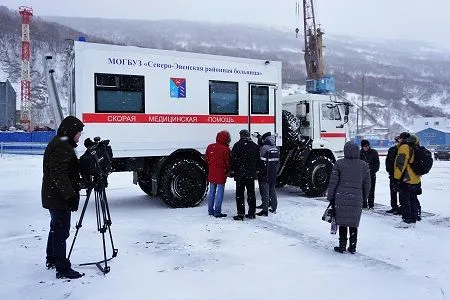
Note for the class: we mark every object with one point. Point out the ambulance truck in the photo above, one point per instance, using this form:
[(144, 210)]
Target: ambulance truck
[(160, 109)]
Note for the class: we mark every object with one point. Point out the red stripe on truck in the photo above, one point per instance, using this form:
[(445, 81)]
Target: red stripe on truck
[(332, 134), (174, 119)]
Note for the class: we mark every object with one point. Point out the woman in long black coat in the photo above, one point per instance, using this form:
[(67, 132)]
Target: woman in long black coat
[(348, 188)]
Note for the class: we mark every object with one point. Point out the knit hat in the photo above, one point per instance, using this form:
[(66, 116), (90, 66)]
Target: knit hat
[(244, 133), (365, 143), (404, 135)]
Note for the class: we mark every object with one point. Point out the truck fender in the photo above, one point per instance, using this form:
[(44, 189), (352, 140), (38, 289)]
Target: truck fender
[(156, 173)]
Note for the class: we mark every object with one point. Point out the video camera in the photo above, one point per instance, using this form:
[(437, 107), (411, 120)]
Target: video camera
[(97, 159)]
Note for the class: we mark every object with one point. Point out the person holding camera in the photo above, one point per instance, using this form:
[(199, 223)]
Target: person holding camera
[(60, 193)]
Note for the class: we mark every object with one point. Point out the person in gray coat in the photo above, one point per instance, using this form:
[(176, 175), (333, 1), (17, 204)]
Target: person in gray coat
[(348, 188)]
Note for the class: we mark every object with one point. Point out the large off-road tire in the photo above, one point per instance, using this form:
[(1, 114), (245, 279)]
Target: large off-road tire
[(145, 182), (316, 176), (281, 182), (290, 125), (183, 183)]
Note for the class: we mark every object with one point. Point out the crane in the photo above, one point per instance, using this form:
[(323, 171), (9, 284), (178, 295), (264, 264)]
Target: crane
[(316, 82)]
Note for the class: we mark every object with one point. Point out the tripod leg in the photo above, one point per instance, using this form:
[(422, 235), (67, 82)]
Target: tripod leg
[(106, 268), (108, 222), (80, 220), (103, 224)]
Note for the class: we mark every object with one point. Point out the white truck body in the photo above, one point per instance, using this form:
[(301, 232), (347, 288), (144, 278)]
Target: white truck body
[(152, 102)]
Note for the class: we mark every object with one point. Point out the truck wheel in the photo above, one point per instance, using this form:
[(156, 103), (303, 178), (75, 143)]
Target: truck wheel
[(183, 183), (281, 182), (145, 182), (290, 125), (316, 176)]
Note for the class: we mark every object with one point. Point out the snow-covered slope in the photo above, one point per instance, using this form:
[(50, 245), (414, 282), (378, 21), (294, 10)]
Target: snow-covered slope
[(403, 79)]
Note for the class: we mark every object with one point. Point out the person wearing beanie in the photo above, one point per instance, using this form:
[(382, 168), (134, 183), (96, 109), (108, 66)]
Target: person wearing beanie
[(60, 193), (370, 156), (267, 175), (407, 181), (244, 160), (389, 162)]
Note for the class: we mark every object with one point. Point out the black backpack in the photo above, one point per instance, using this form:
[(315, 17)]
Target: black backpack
[(423, 160)]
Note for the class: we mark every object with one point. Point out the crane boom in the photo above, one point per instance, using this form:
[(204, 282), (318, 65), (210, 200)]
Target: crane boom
[(313, 42), (316, 81)]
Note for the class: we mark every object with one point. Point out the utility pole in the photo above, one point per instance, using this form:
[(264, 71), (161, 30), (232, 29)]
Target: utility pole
[(362, 102), (357, 121)]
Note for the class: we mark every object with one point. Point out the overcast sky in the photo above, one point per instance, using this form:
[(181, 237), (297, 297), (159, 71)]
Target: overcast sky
[(405, 19)]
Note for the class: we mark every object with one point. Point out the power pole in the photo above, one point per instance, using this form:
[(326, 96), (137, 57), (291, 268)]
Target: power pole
[(357, 121), (362, 102)]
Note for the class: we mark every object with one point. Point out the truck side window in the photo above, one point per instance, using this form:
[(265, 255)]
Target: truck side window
[(330, 112), (115, 93), (259, 99), (223, 98)]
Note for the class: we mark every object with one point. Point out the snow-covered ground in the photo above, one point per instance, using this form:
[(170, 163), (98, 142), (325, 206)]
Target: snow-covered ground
[(185, 254)]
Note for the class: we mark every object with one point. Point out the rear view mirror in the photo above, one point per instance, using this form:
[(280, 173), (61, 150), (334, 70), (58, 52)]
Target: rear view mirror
[(346, 111), (346, 118), (301, 110)]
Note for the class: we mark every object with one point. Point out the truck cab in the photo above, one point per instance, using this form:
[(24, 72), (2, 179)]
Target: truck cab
[(314, 133)]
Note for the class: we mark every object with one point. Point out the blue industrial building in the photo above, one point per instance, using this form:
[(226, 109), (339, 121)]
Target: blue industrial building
[(433, 137)]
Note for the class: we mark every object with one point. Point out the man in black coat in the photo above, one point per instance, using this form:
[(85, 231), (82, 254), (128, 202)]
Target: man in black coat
[(370, 156), (390, 160), (244, 160), (60, 192)]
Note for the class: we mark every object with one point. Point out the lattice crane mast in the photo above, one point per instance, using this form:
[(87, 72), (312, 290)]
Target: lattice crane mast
[(316, 81), (25, 90)]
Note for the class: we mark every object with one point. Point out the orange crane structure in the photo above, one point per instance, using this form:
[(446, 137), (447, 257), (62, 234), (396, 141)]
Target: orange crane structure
[(317, 82)]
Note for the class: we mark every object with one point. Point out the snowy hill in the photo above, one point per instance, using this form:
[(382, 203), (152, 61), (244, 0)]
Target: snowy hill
[(403, 79)]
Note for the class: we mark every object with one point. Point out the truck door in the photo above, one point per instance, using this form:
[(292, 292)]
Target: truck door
[(332, 126), (262, 108)]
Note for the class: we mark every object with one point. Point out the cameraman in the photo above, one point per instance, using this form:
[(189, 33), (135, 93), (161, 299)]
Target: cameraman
[(61, 192)]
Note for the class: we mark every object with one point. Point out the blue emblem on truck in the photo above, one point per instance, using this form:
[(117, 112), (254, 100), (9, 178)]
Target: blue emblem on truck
[(177, 87)]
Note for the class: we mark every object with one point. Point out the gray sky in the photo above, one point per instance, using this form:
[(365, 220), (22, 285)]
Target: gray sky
[(405, 19)]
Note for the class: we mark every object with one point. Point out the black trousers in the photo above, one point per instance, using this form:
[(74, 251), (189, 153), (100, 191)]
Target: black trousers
[(408, 201), (392, 188), (57, 236), (343, 233), (241, 186), (371, 200)]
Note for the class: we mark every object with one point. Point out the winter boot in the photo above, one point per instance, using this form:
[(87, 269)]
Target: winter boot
[(220, 215), (249, 216), (342, 245), (238, 218), (352, 246), (65, 271), (50, 263), (262, 213)]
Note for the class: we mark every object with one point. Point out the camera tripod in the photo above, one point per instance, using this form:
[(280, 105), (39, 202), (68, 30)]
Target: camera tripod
[(103, 220)]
